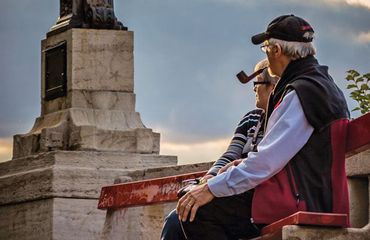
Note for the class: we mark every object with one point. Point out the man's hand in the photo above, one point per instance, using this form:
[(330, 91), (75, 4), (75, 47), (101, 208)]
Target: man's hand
[(227, 166), (191, 201)]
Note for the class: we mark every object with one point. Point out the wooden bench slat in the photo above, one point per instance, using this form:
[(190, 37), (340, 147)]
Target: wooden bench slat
[(308, 218)]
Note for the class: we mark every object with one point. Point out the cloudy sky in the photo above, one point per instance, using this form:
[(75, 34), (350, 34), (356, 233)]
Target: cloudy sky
[(186, 56)]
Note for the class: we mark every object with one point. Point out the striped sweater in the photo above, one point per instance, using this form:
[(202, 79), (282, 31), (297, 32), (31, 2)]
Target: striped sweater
[(242, 141)]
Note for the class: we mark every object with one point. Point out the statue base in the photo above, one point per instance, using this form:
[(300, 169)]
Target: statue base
[(92, 106), (54, 195), (88, 135)]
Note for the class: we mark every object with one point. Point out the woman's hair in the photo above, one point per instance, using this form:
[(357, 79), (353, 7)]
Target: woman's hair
[(294, 50), (266, 74)]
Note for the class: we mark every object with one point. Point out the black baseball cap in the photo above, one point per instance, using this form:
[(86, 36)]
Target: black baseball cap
[(288, 28)]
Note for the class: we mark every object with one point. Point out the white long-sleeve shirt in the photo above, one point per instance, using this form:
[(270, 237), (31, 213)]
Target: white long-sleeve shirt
[(286, 133)]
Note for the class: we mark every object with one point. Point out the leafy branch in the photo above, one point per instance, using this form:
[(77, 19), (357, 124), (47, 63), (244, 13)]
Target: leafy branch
[(360, 90)]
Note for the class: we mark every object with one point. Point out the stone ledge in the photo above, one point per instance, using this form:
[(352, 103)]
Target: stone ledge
[(90, 159), (54, 218), (71, 174), (358, 165), (323, 233)]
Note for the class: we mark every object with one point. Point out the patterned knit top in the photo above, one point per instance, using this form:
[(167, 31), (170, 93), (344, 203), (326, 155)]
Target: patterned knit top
[(244, 140)]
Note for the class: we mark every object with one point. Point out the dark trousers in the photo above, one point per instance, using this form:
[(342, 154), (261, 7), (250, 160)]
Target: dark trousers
[(227, 218)]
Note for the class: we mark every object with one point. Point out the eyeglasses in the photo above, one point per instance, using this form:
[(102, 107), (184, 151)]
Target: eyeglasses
[(261, 82), (265, 47)]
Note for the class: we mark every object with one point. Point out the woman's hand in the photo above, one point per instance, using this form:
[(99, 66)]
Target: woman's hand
[(227, 166)]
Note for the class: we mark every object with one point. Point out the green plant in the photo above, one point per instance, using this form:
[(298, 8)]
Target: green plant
[(360, 90)]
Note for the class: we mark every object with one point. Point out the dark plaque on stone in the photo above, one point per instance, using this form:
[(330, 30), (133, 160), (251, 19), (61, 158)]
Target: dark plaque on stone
[(56, 72), (98, 14)]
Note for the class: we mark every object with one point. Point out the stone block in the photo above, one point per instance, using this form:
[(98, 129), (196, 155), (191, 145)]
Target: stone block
[(99, 100), (131, 141), (27, 221), (25, 144), (71, 174), (358, 165), (359, 202), (77, 219), (98, 111), (54, 218), (103, 100), (100, 60), (87, 129), (139, 223), (322, 233)]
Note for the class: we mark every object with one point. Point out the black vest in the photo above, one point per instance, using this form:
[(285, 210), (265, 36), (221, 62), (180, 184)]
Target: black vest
[(323, 103)]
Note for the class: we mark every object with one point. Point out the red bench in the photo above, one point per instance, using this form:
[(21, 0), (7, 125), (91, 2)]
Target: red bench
[(273, 231), (165, 189)]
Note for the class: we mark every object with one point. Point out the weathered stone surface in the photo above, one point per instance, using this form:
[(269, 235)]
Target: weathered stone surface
[(54, 218), (359, 201), (97, 100), (71, 174), (139, 223), (358, 165), (27, 221), (157, 172), (131, 141), (87, 129), (315, 233), (102, 60), (98, 112), (358, 172), (99, 60), (103, 100), (62, 188), (76, 219)]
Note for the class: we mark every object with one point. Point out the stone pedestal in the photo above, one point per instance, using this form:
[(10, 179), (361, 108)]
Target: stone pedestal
[(84, 139), (55, 195), (98, 111)]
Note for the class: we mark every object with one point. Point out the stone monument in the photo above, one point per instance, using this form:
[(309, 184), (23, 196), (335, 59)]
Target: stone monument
[(88, 133)]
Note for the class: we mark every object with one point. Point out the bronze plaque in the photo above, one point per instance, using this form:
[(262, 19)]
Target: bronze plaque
[(56, 72)]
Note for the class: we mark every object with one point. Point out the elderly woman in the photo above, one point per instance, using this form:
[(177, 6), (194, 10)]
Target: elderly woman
[(246, 137)]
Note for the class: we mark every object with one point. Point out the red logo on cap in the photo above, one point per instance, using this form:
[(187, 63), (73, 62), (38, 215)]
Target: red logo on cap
[(304, 28)]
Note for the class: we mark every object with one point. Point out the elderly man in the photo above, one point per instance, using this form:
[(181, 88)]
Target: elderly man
[(299, 164)]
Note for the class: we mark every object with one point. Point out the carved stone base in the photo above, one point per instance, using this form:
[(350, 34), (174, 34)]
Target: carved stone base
[(51, 219), (66, 174), (97, 112), (85, 129), (55, 195)]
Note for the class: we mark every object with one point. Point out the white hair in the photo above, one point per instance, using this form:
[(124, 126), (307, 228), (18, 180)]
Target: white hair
[(294, 50), (266, 74)]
